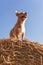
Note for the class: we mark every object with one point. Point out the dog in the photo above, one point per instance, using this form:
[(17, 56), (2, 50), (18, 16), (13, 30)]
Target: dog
[(19, 28)]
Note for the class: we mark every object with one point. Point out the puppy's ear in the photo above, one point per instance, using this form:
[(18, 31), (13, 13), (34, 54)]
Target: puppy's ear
[(17, 13)]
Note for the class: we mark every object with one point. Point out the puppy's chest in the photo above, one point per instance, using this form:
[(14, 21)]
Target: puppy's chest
[(23, 27)]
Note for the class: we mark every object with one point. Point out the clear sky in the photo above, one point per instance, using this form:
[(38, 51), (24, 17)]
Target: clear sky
[(34, 23)]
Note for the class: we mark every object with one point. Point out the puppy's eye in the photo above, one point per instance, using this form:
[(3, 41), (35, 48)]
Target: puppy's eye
[(22, 16)]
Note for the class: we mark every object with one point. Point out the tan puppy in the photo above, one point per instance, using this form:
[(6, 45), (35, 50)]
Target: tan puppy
[(19, 28)]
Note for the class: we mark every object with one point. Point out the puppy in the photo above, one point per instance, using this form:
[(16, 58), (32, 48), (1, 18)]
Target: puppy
[(19, 28)]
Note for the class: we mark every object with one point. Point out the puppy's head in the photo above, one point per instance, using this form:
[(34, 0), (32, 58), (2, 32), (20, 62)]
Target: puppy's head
[(21, 15)]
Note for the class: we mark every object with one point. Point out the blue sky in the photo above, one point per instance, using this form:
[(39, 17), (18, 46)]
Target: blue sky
[(34, 23)]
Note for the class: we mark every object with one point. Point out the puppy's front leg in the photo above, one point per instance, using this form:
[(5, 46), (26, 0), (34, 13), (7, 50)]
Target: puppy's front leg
[(23, 36)]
